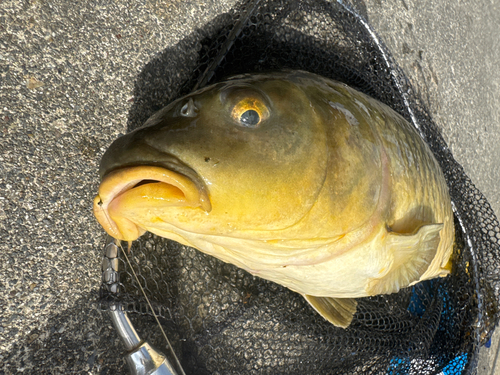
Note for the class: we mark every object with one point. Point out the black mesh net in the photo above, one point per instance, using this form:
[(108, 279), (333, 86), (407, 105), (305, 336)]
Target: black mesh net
[(222, 320)]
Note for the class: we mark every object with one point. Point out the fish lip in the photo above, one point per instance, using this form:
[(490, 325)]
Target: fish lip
[(155, 157), (174, 165), (177, 170)]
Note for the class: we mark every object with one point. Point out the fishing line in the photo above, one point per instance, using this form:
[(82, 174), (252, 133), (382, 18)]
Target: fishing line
[(170, 347), (179, 367)]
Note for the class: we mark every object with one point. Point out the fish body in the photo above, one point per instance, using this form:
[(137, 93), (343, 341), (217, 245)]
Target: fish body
[(293, 177)]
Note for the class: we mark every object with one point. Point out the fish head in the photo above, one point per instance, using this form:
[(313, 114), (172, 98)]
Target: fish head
[(240, 158)]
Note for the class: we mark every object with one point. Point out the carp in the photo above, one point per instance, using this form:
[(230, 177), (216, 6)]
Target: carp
[(293, 177)]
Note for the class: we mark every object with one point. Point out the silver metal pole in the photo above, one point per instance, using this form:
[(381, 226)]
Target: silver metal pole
[(141, 357)]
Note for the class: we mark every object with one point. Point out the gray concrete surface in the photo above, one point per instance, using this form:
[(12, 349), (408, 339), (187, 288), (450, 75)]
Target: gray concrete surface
[(67, 72)]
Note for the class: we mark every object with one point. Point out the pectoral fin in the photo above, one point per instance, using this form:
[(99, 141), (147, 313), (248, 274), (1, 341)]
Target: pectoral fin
[(338, 311), (410, 257)]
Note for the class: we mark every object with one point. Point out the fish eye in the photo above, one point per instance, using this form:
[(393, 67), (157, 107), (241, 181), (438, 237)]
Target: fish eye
[(250, 112), (250, 118)]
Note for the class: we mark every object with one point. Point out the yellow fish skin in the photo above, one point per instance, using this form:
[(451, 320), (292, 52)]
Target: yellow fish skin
[(293, 177)]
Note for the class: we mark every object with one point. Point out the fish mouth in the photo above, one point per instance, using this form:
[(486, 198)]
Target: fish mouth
[(124, 190)]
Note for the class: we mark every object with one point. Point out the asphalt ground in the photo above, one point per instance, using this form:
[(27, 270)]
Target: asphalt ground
[(67, 73)]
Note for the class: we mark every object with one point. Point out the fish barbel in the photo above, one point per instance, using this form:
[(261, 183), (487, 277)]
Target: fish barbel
[(293, 177)]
